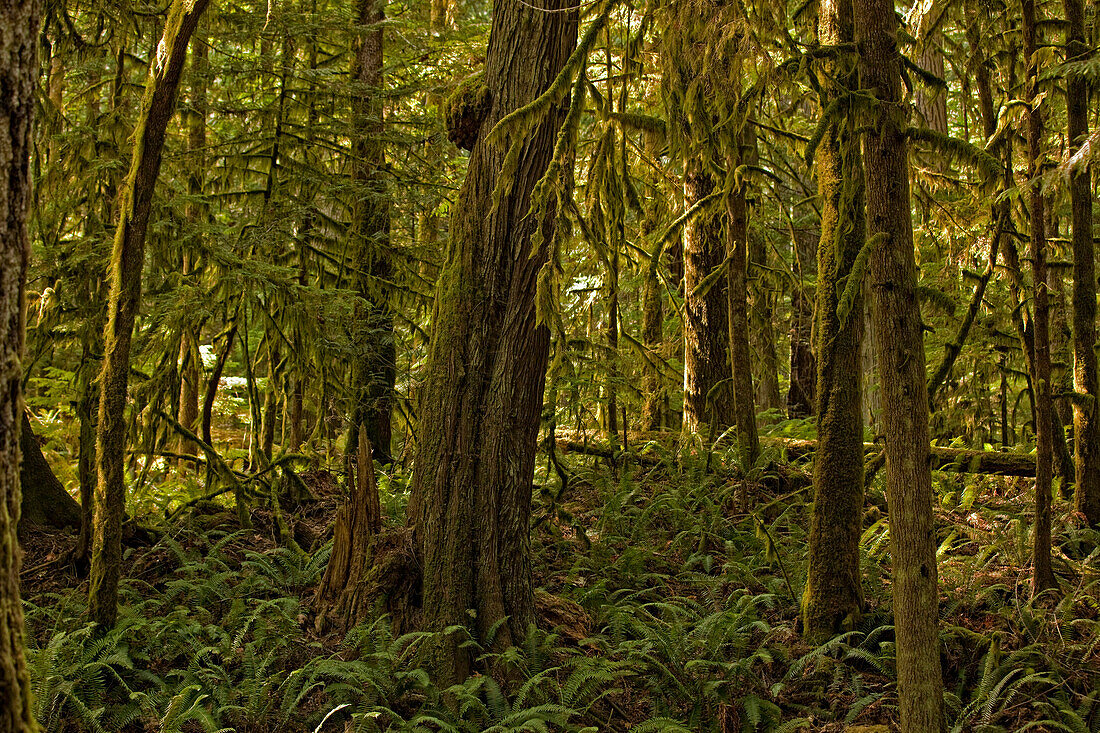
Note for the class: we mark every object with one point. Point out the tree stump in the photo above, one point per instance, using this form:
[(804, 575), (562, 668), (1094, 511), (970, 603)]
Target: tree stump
[(369, 570)]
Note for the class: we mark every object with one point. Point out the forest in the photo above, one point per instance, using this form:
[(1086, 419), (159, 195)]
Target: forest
[(549, 365)]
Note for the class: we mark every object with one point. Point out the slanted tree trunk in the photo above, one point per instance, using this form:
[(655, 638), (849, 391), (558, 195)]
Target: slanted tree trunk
[(479, 412), (744, 396), (375, 372), (833, 599), (707, 394), (45, 501), (1086, 414), (18, 73), (125, 294), (900, 346), (1042, 574)]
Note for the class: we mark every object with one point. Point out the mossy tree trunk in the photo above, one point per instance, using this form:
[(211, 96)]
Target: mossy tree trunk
[(18, 73), (190, 358), (744, 395), (127, 258), (1042, 574), (1086, 415), (900, 346), (482, 396), (375, 372), (707, 394), (833, 599)]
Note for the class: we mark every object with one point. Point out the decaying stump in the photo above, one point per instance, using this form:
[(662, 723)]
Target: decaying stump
[(370, 571)]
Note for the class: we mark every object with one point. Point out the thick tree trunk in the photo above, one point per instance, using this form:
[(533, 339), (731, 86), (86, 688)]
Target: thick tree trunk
[(900, 346), (1086, 414), (1042, 574), (479, 412), (45, 501), (125, 294), (707, 394), (833, 599), (18, 73), (744, 396), (376, 371)]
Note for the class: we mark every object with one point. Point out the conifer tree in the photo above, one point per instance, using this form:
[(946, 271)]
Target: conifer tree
[(833, 599), (900, 350), (127, 258), (479, 412), (18, 74)]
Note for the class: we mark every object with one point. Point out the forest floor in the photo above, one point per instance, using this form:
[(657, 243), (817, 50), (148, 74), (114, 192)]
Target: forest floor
[(681, 614)]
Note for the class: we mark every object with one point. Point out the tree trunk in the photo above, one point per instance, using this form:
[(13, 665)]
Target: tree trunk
[(707, 394), (190, 358), (45, 501), (376, 369), (125, 294), (1042, 574), (800, 393), (900, 346), (833, 599), (653, 417), (744, 396), (1086, 416), (482, 396), (18, 73), (271, 398), (87, 412), (762, 336)]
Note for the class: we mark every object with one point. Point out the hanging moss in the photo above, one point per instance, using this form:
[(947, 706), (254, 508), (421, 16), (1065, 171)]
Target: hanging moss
[(465, 109)]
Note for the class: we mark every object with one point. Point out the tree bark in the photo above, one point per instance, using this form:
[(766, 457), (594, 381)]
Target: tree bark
[(376, 370), (744, 395), (1086, 416), (900, 347), (18, 74), (1042, 573), (707, 394), (833, 599), (344, 596), (482, 396), (125, 294), (190, 358)]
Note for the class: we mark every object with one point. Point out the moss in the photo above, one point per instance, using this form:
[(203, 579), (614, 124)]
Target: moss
[(465, 109)]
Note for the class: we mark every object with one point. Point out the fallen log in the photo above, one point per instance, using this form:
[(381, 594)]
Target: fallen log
[(954, 460)]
